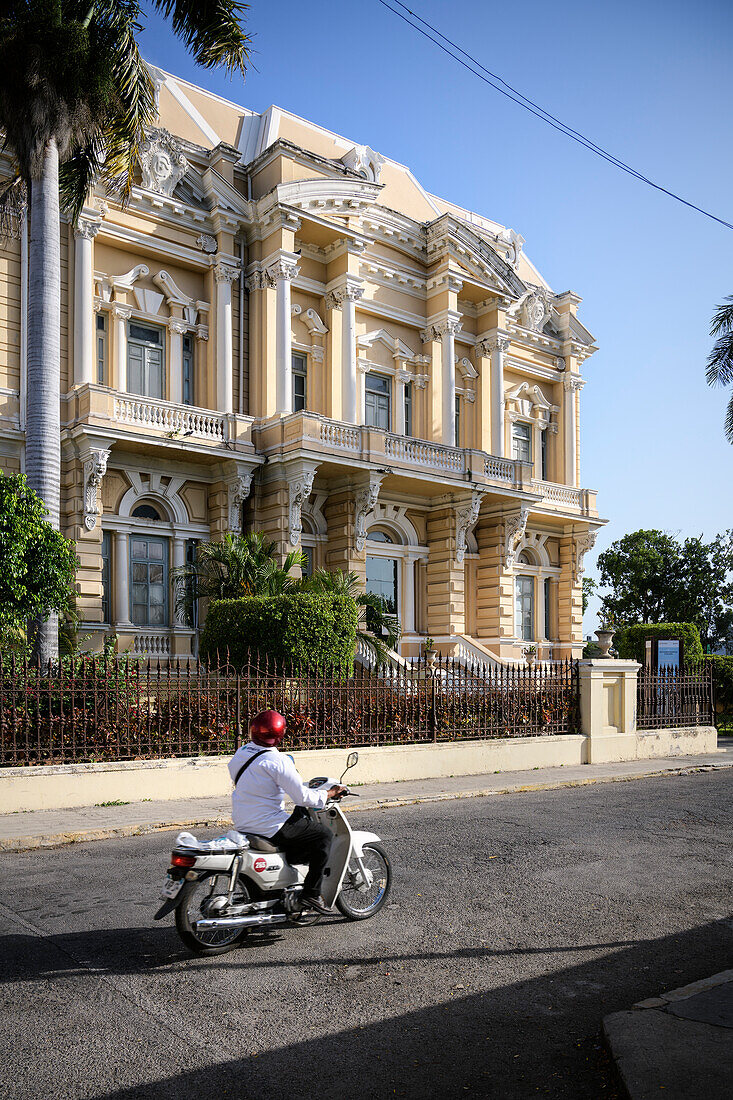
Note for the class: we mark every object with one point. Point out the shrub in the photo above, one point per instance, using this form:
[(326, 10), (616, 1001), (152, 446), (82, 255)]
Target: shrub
[(629, 640), (299, 629), (723, 686)]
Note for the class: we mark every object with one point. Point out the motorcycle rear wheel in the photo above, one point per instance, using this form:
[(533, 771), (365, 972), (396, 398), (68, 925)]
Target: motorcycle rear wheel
[(356, 904), (194, 896)]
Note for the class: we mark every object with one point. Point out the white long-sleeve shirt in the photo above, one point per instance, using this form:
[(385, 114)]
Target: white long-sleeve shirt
[(258, 800)]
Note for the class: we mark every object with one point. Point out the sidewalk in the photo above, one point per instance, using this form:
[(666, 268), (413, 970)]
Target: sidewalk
[(51, 828), (679, 1043)]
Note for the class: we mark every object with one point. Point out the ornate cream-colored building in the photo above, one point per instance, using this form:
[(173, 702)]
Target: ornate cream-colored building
[(284, 331)]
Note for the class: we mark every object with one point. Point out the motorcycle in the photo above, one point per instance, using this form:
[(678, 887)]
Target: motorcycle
[(220, 895)]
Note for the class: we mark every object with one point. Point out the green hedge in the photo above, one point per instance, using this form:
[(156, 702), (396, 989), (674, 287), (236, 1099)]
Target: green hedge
[(723, 684), (629, 640), (300, 629)]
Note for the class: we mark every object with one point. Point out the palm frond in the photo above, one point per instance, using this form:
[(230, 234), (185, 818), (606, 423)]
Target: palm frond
[(212, 30), (728, 428), (13, 206), (723, 317), (719, 369)]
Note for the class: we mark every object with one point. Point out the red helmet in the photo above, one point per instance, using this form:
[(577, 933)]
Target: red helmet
[(267, 728)]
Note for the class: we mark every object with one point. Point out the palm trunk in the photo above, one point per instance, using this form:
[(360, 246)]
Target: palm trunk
[(43, 421)]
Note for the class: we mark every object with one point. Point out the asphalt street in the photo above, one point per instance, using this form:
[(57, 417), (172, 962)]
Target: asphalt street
[(516, 923)]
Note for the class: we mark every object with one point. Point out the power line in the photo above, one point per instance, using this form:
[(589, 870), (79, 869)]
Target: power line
[(494, 81)]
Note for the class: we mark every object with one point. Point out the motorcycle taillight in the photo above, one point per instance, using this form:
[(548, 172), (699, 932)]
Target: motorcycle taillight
[(178, 860)]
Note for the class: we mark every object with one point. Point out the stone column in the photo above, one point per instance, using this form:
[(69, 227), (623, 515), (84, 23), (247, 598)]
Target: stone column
[(345, 298), (84, 234), (497, 347), (122, 581), (178, 560), (225, 275), (409, 618), (572, 384), (177, 328), (281, 273), (447, 330), (402, 378), (122, 315)]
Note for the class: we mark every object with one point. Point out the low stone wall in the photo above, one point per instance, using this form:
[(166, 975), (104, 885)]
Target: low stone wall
[(69, 785)]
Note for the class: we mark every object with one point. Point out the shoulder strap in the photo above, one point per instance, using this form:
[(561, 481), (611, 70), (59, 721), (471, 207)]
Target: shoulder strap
[(247, 763)]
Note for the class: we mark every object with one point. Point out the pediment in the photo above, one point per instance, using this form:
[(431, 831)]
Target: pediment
[(320, 196), (447, 236), (395, 346)]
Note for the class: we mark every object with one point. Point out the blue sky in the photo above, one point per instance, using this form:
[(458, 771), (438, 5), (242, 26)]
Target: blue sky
[(648, 80)]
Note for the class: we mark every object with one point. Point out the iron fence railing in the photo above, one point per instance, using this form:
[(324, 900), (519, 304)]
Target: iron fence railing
[(673, 697), (94, 709)]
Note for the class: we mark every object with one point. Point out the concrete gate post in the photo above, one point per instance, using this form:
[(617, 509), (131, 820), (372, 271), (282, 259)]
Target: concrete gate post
[(608, 710)]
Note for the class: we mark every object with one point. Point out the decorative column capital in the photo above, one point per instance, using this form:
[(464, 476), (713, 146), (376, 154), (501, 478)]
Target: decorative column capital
[(202, 332), (178, 326), (225, 273), (489, 344), (95, 467), (466, 519), (122, 312), (572, 383), (365, 500), (238, 489), (449, 326), (349, 292), (515, 526), (282, 268), (86, 229)]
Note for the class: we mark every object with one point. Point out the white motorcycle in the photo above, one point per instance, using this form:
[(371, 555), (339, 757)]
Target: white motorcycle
[(221, 891)]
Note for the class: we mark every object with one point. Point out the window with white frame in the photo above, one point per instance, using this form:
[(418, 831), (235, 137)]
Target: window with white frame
[(300, 382), (106, 576), (547, 583), (188, 379), (377, 401), (101, 335), (145, 360), (521, 441), (408, 408), (524, 595), (149, 589)]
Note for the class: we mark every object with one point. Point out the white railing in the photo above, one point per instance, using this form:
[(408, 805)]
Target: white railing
[(419, 453), (466, 653), (164, 416), (561, 494), (365, 654), (152, 644), (500, 469), (338, 435)]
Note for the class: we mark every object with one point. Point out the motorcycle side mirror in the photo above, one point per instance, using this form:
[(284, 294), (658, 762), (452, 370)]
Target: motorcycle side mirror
[(351, 761)]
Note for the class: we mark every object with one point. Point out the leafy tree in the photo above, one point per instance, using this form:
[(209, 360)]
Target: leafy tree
[(38, 563), (653, 578), (378, 629), (75, 98), (589, 587), (720, 360), (239, 565)]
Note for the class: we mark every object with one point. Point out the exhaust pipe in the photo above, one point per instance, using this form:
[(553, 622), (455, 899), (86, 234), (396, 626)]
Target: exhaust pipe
[(240, 922)]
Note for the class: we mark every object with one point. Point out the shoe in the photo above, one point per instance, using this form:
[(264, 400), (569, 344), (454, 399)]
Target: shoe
[(316, 902)]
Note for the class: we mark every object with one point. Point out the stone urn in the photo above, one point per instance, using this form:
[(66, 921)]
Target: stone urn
[(605, 637)]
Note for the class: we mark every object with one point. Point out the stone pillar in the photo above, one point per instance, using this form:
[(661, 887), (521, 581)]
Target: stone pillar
[(281, 273), (84, 234), (178, 561), (402, 378), (572, 385), (570, 597), (498, 345), (483, 424), (122, 315), (345, 297), (608, 710), (445, 574), (122, 581), (225, 275), (409, 616), (446, 331), (177, 328), (341, 553)]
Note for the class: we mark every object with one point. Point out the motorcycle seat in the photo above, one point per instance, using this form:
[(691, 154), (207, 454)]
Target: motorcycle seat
[(261, 843)]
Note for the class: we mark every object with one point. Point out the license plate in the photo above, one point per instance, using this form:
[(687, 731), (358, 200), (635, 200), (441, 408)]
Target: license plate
[(171, 887)]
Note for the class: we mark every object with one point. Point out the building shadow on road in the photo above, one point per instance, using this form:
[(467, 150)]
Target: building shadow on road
[(535, 1036)]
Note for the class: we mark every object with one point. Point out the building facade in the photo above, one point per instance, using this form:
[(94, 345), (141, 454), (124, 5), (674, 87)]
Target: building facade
[(283, 331)]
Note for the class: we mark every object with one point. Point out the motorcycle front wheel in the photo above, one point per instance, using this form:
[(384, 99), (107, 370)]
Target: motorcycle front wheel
[(198, 901), (358, 902)]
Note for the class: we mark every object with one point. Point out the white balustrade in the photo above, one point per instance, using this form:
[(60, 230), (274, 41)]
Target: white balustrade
[(500, 469), (561, 494), (152, 644), (164, 416), (338, 435), (419, 453)]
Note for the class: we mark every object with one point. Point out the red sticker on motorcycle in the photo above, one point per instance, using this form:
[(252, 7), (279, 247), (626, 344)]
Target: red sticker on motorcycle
[(260, 864)]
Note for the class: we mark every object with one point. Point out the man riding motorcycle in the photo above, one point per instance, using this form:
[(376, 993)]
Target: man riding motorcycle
[(262, 778)]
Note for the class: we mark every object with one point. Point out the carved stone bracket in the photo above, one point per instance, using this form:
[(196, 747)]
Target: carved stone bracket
[(581, 545), (95, 467), (515, 526), (466, 520), (300, 487), (365, 500), (237, 492)]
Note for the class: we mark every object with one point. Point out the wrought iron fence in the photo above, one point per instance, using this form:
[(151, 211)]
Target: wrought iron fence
[(94, 709), (675, 697)]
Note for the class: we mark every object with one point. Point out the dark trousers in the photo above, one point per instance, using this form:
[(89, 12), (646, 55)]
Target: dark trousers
[(305, 841)]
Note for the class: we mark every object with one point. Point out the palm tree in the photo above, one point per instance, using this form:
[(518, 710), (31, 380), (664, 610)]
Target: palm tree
[(379, 629), (720, 360), (75, 98), (239, 565)]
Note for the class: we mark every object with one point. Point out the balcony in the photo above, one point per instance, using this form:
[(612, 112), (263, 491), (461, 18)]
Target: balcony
[(159, 423)]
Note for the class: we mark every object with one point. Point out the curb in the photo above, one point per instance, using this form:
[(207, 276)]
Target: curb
[(30, 843)]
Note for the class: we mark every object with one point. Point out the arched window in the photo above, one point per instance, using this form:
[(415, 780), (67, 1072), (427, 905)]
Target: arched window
[(146, 511), (379, 536), (526, 558)]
